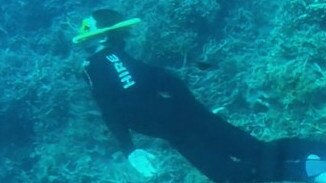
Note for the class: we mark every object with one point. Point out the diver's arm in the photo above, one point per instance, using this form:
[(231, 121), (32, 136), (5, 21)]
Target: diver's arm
[(122, 134), (140, 159)]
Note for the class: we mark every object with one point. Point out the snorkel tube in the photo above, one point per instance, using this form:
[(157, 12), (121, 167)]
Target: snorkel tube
[(89, 35)]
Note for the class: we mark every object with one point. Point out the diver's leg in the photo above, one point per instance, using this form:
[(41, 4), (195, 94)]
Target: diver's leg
[(219, 150), (286, 159), (232, 140), (295, 148), (213, 162), (279, 160)]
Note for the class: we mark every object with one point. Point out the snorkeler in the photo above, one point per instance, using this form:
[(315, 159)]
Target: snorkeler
[(149, 100)]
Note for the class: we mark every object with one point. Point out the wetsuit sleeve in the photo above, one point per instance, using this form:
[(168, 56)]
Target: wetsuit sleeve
[(123, 136), (120, 130)]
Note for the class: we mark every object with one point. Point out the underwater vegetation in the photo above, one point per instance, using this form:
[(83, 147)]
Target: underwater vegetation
[(261, 64)]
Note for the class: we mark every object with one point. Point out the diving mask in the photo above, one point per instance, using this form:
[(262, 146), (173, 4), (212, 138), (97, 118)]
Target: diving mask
[(89, 29)]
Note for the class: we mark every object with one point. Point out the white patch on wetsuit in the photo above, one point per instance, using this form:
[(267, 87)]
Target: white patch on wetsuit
[(125, 77), (84, 65), (165, 94), (235, 159)]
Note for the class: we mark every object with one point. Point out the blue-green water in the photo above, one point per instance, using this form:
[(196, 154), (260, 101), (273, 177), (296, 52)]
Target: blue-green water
[(260, 64)]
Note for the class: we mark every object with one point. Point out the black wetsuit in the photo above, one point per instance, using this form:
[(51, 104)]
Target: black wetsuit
[(133, 95)]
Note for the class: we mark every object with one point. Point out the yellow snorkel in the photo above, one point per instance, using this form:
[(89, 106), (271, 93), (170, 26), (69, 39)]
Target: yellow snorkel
[(89, 30)]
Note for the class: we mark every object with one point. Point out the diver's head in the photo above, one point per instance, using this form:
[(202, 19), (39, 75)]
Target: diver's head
[(106, 18), (104, 27)]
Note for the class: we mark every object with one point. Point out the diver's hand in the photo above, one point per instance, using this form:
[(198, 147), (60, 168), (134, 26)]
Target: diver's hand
[(143, 162), (321, 178)]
